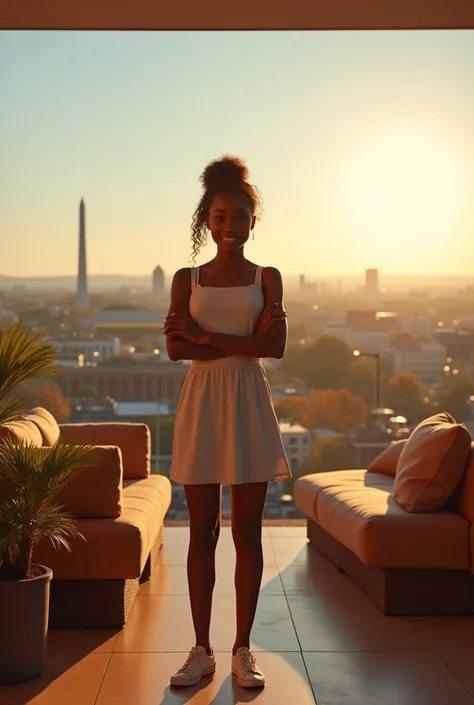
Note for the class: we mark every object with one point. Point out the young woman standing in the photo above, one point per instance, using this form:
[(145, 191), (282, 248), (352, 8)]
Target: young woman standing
[(225, 316)]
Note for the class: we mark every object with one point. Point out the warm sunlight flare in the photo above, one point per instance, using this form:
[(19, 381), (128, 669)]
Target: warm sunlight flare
[(404, 186)]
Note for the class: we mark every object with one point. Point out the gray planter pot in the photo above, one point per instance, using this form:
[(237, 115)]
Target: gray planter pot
[(24, 612)]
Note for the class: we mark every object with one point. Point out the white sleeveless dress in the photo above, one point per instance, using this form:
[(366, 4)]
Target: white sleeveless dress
[(226, 430)]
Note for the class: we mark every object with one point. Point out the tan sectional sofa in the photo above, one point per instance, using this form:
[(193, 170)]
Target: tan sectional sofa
[(409, 563), (120, 509)]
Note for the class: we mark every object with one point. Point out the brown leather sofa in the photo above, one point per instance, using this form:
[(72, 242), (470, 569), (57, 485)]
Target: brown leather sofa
[(408, 562), (120, 509)]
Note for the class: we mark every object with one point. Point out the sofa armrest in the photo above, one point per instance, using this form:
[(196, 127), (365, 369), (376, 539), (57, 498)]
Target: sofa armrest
[(463, 499), (96, 492), (133, 439)]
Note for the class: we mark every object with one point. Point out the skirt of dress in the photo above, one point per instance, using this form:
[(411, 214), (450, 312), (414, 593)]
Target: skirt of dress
[(226, 430)]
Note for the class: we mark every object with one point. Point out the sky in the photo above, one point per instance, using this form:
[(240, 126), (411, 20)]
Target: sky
[(361, 143)]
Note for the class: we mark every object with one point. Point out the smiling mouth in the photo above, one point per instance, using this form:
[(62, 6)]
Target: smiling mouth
[(229, 239)]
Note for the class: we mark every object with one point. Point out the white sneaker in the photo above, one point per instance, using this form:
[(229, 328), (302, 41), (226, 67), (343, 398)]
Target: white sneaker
[(197, 665), (244, 667)]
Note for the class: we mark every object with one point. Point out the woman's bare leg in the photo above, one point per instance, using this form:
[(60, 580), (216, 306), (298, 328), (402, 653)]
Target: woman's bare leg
[(204, 506), (248, 501)]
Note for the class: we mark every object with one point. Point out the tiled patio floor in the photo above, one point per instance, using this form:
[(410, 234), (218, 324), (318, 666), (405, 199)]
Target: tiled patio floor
[(319, 640)]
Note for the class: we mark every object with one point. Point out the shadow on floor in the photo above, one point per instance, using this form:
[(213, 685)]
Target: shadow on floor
[(66, 649)]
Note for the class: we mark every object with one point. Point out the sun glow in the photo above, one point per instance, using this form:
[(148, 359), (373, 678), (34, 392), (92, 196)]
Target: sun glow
[(404, 186)]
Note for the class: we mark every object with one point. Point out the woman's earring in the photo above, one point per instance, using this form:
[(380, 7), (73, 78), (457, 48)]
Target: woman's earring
[(253, 235)]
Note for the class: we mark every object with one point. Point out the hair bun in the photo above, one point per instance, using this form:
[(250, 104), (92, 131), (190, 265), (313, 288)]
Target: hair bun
[(224, 172)]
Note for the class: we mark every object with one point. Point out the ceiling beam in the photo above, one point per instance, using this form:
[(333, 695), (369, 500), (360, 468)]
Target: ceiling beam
[(236, 15)]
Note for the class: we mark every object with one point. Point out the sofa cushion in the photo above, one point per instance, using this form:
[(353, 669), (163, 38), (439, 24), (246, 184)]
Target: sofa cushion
[(308, 487), (96, 492), (114, 548), (431, 464), (357, 508), (386, 462), (132, 438), (23, 431), (46, 424)]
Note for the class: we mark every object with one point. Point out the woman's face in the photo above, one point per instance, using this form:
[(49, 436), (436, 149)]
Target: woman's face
[(230, 220)]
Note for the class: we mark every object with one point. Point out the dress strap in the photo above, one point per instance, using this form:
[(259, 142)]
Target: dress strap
[(194, 277), (258, 276)]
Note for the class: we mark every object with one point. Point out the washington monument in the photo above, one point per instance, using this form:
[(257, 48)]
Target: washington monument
[(82, 297)]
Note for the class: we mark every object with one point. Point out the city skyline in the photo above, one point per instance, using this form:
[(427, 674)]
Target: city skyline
[(99, 116)]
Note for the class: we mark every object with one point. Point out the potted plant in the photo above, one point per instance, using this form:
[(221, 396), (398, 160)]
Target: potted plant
[(31, 480)]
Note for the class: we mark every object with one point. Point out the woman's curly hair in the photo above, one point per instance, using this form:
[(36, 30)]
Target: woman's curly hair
[(227, 174)]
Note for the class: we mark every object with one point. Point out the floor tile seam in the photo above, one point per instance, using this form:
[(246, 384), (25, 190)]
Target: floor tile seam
[(292, 620), (455, 675), (296, 651), (102, 680), (215, 594), (216, 651), (369, 651), (308, 677)]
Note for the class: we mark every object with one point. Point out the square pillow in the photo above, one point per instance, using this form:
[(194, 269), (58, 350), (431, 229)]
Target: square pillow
[(432, 464), (387, 461)]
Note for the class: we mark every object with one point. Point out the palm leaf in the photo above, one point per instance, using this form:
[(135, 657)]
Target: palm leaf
[(24, 355), (30, 480), (55, 525), (11, 409)]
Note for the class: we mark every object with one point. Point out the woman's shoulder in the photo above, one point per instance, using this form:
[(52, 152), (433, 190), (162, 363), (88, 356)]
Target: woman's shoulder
[(269, 269), (182, 274), (182, 279), (270, 274), (263, 268)]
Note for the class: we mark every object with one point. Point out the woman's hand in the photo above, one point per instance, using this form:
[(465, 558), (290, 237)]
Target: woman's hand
[(269, 317), (184, 327)]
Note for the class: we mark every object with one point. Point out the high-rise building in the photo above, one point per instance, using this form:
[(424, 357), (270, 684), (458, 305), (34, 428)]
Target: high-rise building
[(82, 296), (158, 282), (372, 282)]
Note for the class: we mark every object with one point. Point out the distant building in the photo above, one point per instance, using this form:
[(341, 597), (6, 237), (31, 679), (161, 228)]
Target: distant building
[(91, 350), (340, 331), (92, 411), (425, 361), (369, 341), (307, 289), (127, 324), (459, 344), (361, 319), (296, 441), (372, 341), (133, 382), (372, 319), (158, 283), (367, 330), (372, 282), (420, 327), (368, 443), (153, 414)]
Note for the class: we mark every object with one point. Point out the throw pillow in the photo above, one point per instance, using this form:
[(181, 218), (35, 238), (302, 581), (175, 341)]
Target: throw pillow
[(387, 461), (432, 464)]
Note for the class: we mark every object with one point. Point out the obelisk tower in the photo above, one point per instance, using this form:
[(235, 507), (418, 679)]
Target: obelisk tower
[(82, 297)]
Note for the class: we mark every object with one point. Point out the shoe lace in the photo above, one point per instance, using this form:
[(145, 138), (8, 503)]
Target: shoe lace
[(191, 662), (247, 661)]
